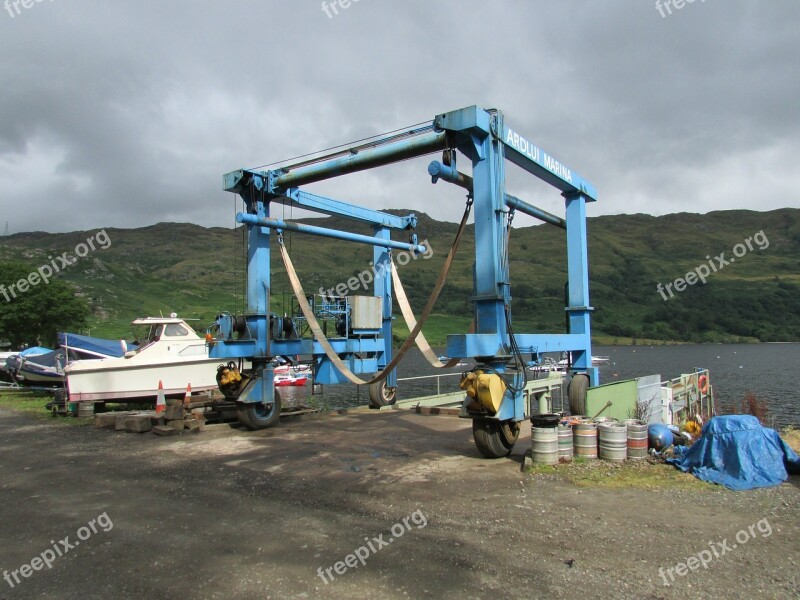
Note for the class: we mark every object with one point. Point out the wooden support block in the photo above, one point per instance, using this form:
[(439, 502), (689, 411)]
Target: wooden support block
[(138, 423), (164, 430), (119, 424), (105, 420), (174, 412), (177, 424)]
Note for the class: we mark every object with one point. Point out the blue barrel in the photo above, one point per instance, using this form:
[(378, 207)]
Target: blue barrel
[(659, 436)]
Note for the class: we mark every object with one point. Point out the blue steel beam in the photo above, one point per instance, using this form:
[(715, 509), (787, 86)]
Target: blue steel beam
[(248, 347), (239, 182), (491, 280), (533, 211), (383, 288), (329, 206), (536, 161), (439, 171), (255, 221), (487, 344), (578, 310), (258, 280), (368, 158)]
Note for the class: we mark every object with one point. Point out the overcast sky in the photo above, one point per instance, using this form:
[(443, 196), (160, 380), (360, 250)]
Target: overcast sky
[(126, 114)]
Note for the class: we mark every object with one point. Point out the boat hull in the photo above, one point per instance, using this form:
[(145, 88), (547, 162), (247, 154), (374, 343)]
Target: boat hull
[(291, 382), (133, 381), (48, 378)]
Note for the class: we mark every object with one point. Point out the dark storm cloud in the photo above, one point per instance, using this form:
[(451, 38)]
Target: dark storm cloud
[(128, 114)]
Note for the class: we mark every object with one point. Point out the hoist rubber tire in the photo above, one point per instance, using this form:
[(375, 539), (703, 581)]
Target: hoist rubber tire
[(380, 395), (259, 415), (577, 393), (494, 439)]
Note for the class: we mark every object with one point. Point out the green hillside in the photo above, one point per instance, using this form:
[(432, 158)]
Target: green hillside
[(198, 272)]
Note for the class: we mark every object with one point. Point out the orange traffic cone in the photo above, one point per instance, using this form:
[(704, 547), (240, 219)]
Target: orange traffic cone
[(161, 403), (187, 400)]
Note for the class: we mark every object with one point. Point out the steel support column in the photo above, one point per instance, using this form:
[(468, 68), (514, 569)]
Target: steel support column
[(579, 309)]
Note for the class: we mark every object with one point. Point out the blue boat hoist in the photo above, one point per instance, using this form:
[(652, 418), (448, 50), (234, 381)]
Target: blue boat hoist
[(353, 335)]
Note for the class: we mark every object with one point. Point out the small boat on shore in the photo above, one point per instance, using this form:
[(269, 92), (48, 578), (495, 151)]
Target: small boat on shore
[(47, 368), (301, 370), (550, 365), (42, 369), (290, 380), (11, 361), (170, 352), (597, 361)]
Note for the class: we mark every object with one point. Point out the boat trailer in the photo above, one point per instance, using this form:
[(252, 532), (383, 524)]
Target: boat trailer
[(352, 335)]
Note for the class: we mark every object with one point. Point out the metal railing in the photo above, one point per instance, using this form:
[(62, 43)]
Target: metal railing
[(437, 376)]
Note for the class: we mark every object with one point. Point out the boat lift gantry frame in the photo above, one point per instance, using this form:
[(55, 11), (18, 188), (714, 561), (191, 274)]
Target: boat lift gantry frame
[(487, 141)]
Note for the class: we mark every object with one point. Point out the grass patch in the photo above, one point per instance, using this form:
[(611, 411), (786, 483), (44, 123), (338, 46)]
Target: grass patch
[(32, 404), (791, 436), (29, 403), (545, 469), (436, 329), (630, 474)]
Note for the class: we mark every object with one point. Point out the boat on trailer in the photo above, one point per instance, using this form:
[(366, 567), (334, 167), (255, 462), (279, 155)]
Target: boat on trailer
[(11, 361), (170, 353), (43, 369), (47, 369)]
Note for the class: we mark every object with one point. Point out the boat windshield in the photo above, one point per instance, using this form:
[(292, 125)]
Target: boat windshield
[(147, 335)]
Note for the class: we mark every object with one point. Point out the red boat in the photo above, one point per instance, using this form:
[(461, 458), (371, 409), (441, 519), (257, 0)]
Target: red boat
[(290, 380)]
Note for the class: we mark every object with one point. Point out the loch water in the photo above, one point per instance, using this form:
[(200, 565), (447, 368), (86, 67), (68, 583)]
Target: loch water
[(770, 371)]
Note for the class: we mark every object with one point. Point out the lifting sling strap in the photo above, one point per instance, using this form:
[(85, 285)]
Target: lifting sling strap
[(319, 336)]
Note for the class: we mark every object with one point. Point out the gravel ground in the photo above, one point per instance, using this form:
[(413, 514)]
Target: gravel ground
[(230, 513)]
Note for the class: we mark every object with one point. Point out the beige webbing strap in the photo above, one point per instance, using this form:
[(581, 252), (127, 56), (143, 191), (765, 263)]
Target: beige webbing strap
[(313, 324), (411, 322)]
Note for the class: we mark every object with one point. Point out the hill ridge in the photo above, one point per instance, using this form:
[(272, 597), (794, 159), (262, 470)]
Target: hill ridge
[(198, 271)]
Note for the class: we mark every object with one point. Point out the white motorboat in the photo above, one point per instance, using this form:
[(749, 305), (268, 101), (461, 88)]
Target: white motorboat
[(171, 352), (300, 370), (597, 361), (549, 365)]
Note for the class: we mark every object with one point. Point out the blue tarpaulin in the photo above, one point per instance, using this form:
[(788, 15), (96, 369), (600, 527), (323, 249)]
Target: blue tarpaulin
[(93, 347), (34, 351), (737, 452)]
